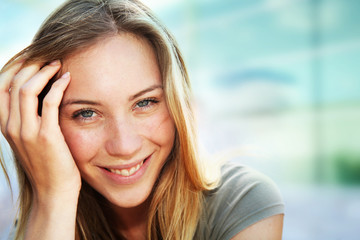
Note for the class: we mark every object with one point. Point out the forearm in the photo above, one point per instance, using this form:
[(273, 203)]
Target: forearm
[(52, 219)]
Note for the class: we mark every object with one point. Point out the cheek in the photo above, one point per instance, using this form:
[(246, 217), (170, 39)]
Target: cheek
[(83, 144), (161, 129)]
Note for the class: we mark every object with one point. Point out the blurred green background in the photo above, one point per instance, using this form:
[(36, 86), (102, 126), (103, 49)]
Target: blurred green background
[(277, 87)]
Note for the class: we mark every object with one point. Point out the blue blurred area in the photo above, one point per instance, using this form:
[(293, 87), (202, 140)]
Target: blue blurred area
[(277, 87), (291, 63)]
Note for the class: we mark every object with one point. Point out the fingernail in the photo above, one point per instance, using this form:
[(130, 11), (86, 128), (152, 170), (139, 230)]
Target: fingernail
[(54, 63), (65, 75)]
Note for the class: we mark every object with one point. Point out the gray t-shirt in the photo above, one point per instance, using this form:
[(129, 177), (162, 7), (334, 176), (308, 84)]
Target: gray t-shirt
[(243, 197)]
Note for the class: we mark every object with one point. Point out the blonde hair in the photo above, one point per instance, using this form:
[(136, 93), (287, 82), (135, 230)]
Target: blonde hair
[(177, 197)]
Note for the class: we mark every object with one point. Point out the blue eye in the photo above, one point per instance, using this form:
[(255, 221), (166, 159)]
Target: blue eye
[(143, 103), (84, 114), (146, 103)]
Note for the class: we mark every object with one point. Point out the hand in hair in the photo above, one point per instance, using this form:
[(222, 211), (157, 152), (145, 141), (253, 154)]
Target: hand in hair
[(38, 143)]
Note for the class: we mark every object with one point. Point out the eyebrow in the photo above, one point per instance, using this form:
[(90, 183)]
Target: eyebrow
[(89, 102), (76, 101), (142, 92)]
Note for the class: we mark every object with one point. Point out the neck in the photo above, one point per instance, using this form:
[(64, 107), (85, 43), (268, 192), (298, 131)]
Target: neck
[(129, 222)]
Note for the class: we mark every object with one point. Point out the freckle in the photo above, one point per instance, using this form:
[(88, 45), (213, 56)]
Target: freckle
[(164, 121)]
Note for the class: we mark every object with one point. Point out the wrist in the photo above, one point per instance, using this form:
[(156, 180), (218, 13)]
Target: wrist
[(52, 195), (54, 199), (52, 216)]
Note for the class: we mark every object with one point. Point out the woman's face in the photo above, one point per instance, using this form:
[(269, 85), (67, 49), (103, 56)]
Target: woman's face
[(115, 119)]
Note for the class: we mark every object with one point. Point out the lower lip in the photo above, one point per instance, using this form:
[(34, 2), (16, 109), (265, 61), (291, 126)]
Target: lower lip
[(126, 180)]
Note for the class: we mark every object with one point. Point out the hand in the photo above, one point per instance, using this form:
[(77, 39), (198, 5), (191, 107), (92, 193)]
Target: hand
[(37, 141)]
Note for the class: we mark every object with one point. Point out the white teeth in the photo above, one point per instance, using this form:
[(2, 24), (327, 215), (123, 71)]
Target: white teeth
[(132, 170), (126, 172)]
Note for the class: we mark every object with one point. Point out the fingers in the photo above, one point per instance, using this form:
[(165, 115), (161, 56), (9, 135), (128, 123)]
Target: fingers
[(14, 121), (19, 90), (51, 103), (28, 96), (20, 60), (6, 76), (39, 151)]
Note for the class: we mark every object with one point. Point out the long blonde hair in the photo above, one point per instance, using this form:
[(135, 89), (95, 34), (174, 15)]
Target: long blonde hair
[(177, 197)]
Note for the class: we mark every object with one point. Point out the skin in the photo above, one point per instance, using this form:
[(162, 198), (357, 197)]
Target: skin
[(118, 83), (40, 147), (108, 112), (267, 229), (126, 121)]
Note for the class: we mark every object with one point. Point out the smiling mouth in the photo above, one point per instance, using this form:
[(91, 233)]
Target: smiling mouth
[(126, 172)]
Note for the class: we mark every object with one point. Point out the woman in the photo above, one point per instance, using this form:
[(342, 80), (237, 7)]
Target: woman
[(98, 113)]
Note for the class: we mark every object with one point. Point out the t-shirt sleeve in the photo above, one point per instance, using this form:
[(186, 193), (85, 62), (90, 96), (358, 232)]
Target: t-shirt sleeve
[(243, 198)]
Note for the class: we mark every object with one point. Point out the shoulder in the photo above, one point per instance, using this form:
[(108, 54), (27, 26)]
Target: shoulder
[(246, 185), (243, 197)]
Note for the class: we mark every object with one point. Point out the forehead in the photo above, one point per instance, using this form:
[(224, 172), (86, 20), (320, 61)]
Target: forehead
[(114, 47), (122, 61)]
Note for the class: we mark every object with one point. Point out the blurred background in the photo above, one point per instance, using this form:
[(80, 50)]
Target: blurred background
[(277, 87)]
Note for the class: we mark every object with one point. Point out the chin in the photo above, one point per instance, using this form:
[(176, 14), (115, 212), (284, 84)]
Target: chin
[(128, 202), (125, 198)]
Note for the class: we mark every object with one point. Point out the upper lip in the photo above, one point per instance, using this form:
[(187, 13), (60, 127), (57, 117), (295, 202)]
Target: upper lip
[(126, 166)]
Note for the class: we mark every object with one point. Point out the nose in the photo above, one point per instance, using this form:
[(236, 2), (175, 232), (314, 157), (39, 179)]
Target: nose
[(124, 140)]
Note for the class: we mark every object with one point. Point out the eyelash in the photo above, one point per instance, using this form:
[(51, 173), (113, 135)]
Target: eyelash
[(150, 102), (78, 113)]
